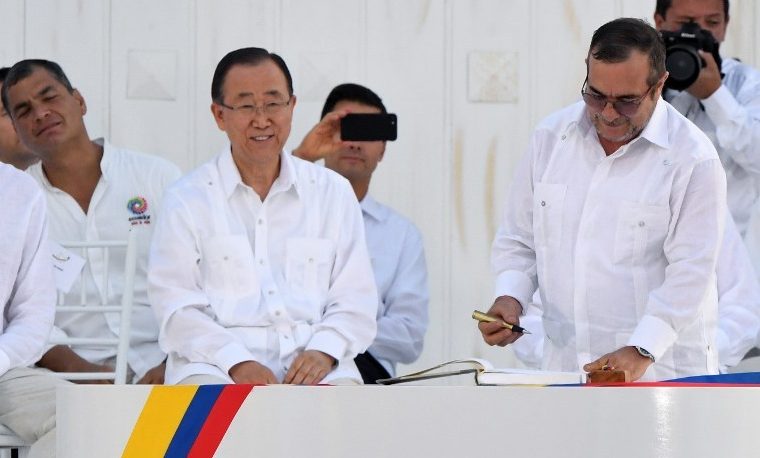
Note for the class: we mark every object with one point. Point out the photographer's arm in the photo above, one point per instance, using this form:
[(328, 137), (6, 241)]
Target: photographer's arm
[(735, 111)]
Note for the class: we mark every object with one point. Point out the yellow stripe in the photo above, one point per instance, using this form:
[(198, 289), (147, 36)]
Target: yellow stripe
[(158, 421)]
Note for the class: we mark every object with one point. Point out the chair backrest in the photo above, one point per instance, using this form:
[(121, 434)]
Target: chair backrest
[(85, 305), (9, 441)]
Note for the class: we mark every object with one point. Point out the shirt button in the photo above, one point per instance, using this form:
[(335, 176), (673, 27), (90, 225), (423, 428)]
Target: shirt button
[(311, 259), (277, 313), (270, 292), (261, 221), (261, 261), (666, 162), (564, 137), (543, 203), (642, 224), (226, 258), (285, 337)]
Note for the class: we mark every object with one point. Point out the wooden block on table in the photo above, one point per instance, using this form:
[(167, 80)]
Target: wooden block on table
[(608, 376)]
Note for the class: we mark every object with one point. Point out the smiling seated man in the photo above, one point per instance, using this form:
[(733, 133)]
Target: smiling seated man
[(259, 271)]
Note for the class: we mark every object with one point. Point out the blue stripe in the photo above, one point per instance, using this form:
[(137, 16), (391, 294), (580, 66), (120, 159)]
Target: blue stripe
[(193, 420), (739, 378)]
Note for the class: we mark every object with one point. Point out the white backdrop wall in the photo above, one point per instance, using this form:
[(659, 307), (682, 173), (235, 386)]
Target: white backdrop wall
[(468, 79)]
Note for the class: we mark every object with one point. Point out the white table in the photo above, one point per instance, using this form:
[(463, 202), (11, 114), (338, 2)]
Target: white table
[(445, 421)]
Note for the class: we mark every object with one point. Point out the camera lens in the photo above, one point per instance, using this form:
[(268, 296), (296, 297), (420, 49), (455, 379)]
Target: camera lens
[(683, 65)]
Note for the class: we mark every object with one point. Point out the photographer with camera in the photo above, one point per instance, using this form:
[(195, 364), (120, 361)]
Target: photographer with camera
[(725, 106), (722, 97)]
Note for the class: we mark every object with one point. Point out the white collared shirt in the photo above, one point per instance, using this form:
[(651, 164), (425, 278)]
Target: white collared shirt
[(738, 307), (398, 260), (235, 279), (622, 247), (731, 119), (27, 291), (127, 195)]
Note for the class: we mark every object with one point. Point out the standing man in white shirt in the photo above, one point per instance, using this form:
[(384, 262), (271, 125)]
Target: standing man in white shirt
[(616, 214), (727, 109), (94, 192), (27, 295), (259, 271), (394, 243), (12, 151), (738, 317)]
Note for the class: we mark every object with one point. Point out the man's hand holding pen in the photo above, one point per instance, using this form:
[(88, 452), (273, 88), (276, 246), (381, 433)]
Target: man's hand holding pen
[(507, 309)]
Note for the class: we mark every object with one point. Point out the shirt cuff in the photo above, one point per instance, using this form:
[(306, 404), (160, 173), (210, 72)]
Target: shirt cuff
[(231, 354), (721, 106), (515, 284), (5, 363), (330, 342), (654, 335)]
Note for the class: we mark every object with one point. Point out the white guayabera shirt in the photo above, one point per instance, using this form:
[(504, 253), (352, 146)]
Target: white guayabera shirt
[(622, 247), (127, 197), (27, 291), (234, 279)]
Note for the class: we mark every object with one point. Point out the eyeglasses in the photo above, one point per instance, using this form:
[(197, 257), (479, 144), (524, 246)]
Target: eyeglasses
[(268, 109), (626, 107)]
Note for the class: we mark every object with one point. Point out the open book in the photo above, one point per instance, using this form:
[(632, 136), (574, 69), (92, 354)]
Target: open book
[(483, 373)]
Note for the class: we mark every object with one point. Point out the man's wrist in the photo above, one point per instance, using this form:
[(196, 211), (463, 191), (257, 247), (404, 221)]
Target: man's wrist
[(644, 353), (511, 300)]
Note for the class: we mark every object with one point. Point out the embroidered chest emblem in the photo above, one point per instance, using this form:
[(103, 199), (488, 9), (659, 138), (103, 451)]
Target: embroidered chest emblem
[(138, 207)]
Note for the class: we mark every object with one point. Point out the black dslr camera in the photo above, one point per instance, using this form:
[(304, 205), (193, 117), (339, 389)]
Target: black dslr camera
[(682, 60)]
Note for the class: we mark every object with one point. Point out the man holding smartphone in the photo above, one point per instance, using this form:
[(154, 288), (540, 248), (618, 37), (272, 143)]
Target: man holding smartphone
[(395, 245)]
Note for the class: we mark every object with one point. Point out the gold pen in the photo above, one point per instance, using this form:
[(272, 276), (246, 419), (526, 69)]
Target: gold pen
[(480, 316)]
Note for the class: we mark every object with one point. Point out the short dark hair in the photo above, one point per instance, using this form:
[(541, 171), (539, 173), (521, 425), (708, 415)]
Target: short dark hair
[(22, 69), (663, 6), (245, 56), (3, 71), (354, 93), (614, 41)]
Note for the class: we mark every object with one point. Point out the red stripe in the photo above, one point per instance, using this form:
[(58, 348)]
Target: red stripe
[(219, 420)]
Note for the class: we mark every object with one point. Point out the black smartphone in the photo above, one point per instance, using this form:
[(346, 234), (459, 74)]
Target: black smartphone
[(368, 127)]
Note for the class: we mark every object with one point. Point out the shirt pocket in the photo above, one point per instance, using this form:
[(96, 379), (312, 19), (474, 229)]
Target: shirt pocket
[(229, 275), (308, 266), (641, 230), (548, 205)]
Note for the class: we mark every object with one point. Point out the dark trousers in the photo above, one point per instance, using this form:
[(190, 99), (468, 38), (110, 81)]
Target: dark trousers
[(370, 368)]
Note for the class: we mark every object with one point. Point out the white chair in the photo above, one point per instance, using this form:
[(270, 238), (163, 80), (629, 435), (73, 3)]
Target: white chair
[(10, 441), (119, 375)]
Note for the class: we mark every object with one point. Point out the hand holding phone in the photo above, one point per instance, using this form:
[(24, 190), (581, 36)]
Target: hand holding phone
[(368, 127)]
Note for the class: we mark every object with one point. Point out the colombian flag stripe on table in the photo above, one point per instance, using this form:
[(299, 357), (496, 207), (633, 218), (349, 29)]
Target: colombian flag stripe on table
[(184, 421)]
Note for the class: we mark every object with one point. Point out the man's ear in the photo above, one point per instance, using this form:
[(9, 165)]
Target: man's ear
[(658, 21), (80, 100), (218, 112)]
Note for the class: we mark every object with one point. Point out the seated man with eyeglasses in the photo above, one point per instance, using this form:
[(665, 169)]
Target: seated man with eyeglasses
[(259, 271), (616, 215)]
